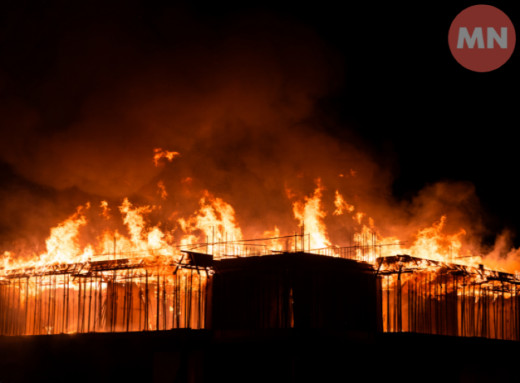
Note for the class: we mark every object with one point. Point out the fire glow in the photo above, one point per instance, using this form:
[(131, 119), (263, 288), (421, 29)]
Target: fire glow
[(145, 277), (215, 223)]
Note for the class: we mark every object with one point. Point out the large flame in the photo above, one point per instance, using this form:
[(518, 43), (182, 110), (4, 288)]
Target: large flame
[(310, 214), (214, 228), (214, 222)]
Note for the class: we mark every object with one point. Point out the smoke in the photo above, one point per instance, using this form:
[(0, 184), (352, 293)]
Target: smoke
[(231, 98), (225, 95), (503, 255), (237, 98)]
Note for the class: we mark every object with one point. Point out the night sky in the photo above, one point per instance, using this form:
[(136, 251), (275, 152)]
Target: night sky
[(387, 83)]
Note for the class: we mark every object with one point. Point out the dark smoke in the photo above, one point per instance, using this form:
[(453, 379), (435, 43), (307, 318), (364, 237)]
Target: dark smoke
[(88, 95)]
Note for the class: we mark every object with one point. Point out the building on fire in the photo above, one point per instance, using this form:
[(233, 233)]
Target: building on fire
[(210, 299)]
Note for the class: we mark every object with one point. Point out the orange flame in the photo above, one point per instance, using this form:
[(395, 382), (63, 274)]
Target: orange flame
[(311, 215), (215, 219), (341, 205), (214, 227), (163, 154), (162, 190)]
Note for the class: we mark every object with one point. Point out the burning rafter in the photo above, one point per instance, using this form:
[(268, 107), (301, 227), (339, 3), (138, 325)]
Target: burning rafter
[(132, 294), (408, 264), (159, 293), (434, 297)]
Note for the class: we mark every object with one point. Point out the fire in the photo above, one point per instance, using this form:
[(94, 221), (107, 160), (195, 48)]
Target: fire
[(145, 272), (311, 215), (275, 244), (162, 190), (160, 154), (341, 205), (433, 243), (7, 260), (430, 242), (215, 220), (62, 245), (143, 238), (214, 228), (105, 209), (134, 220)]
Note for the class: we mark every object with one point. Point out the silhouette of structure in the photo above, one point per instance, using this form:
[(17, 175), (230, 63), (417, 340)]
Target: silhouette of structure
[(280, 316)]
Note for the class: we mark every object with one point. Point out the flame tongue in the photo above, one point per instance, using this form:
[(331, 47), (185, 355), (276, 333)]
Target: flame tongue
[(311, 215), (215, 219), (214, 228), (62, 245), (162, 154)]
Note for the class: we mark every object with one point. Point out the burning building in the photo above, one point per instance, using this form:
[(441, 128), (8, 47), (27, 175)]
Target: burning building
[(431, 297), (196, 291), (157, 161), (178, 311), (242, 285)]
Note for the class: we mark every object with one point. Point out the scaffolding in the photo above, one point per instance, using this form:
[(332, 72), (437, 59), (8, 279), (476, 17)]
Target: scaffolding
[(154, 293), (432, 297), (138, 294)]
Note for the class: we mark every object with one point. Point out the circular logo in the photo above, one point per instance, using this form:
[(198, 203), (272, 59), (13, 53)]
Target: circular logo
[(481, 38)]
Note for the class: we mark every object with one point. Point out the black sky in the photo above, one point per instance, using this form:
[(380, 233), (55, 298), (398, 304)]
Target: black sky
[(399, 90)]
